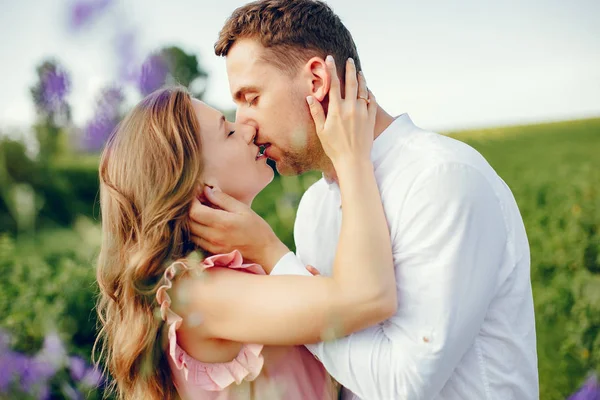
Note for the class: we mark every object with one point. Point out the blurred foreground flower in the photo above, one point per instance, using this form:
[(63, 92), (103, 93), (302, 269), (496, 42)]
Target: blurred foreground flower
[(589, 391), (33, 375)]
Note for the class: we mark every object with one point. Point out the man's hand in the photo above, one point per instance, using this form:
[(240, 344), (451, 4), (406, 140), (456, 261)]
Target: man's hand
[(233, 225)]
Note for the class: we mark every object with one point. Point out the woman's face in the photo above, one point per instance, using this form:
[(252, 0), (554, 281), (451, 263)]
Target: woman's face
[(230, 157)]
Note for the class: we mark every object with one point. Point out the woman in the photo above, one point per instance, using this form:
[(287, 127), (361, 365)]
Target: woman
[(173, 325)]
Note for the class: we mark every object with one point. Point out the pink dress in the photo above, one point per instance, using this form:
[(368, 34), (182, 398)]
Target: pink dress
[(274, 373)]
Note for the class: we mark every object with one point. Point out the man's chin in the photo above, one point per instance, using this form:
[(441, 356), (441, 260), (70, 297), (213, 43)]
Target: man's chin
[(286, 169)]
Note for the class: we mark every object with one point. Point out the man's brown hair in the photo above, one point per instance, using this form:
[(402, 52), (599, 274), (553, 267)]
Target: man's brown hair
[(292, 31)]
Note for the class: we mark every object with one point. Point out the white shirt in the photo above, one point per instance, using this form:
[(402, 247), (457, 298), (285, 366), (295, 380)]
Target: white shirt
[(465, 325)]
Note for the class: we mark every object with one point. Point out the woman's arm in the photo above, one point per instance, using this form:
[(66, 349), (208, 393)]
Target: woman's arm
[(282, 310)]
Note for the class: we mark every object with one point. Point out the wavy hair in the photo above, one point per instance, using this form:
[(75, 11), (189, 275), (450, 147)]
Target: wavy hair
[(149, 173)]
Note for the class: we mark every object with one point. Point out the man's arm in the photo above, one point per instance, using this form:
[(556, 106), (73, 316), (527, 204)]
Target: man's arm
[(449, 244)]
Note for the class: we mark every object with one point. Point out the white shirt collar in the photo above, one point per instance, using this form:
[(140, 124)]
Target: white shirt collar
[(384, 142)]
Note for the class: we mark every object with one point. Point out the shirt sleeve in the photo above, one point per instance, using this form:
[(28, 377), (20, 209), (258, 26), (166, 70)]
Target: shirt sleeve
[(289, 264), (449, 240)]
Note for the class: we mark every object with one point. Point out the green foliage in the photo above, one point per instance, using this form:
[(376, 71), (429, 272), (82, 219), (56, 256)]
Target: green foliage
[(278, 203), (185, 69), (35, 195), (47, 282)]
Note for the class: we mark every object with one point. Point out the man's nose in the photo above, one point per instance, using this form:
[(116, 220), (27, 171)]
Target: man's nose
[(241, 116), (249, 133)]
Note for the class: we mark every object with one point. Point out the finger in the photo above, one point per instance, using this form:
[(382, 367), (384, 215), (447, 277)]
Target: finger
[(223, 200), (205, 245), (317, 113), (372, 108), (351, 82), (335, 97), (362, 87), (202, 231), (205, 215), (313, 270)]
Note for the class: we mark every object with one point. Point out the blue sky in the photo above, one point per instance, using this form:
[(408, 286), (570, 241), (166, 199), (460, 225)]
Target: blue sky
[(450, 65)]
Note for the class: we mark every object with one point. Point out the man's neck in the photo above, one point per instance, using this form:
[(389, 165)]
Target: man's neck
[(382, 121)]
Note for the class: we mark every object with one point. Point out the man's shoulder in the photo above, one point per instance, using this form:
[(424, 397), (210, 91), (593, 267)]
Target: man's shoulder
[(425, 150)]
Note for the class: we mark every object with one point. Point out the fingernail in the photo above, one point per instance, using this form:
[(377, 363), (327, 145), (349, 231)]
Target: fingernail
[(329, 59), (361, 74), (310, 100), (351, 60)]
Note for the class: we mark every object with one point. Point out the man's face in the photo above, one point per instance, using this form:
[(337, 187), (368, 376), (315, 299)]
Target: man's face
[(274, 103)]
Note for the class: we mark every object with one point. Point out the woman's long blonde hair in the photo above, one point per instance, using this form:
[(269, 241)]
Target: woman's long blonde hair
[(149, 173)]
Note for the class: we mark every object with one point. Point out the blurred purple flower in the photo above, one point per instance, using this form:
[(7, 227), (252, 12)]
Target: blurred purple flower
[(128, 64), (83, 12), (589, 391), (54, 87), (35, 377), (30, 373), (93, 378), (106, 118), (11, 365), (77, 367), (53, 351), (153, 75)]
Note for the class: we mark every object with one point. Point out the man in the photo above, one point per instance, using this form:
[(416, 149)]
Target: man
[(465, 323)]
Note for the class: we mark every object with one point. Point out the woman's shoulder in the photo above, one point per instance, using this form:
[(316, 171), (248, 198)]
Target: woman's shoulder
[(187, 370)]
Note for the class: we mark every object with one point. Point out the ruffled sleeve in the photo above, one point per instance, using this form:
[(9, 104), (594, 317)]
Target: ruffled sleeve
[(208, 376)]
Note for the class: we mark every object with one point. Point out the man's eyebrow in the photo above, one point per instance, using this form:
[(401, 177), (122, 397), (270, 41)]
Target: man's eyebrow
[(239, 94)]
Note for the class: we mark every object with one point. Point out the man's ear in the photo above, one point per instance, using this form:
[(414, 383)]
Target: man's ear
[(319, 76)]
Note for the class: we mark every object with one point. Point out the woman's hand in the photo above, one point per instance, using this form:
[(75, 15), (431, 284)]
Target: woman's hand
[(346, 134)]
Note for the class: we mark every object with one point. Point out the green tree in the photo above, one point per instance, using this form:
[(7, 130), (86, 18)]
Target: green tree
[(172, 65), (53, 111)]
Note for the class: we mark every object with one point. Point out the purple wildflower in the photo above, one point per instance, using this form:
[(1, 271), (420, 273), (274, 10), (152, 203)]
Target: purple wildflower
[(53, 351), (154, 74), (93, 378), (84, 12), (77, 368), (35, 376), (12, 366), (589, 391), (55, 85), (106, 118), (128, 64)]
